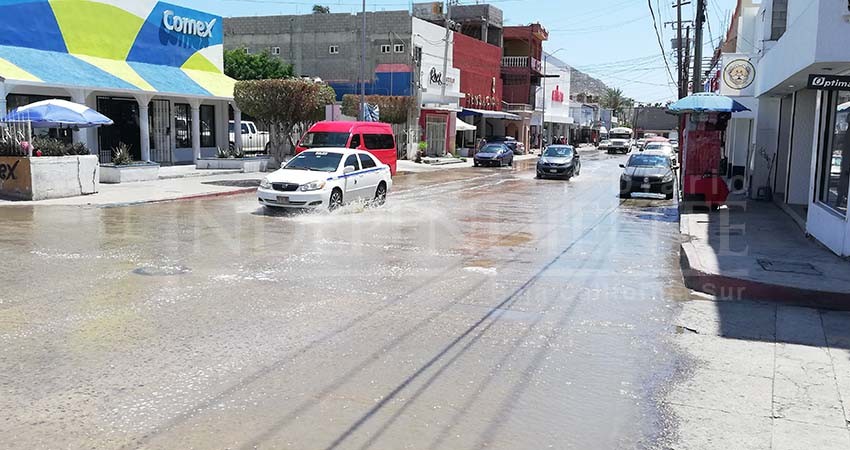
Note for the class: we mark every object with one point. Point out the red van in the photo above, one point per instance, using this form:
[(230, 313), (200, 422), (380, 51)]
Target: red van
[(373, 137)]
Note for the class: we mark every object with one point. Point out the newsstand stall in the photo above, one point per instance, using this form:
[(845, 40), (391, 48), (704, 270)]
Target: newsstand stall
[(704, 117)]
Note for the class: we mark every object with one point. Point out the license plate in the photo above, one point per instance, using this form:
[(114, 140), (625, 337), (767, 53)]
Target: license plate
[(282, 199), (645, 186), (553, 171)]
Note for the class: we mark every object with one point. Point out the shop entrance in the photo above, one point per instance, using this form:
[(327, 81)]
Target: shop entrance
[(161, 143), (435, 134), (125, 113)]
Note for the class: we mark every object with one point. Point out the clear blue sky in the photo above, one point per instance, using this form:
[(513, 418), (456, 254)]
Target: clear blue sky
[(613, 40)]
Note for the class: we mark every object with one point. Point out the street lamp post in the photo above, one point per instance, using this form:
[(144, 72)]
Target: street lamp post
[(545, 61)]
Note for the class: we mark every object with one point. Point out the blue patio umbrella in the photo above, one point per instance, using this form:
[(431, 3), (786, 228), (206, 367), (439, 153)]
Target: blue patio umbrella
[(56, 113), (706, 102)]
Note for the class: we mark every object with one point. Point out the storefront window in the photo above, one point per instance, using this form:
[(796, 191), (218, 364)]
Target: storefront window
[(207, 126), (835, 155), (183, 125)]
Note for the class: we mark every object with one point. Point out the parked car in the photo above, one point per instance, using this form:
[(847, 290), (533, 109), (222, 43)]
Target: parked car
[(494, 155), (559, 161), (326, 178), (648, 173), (662, 147), (373, 137), (603, 145), (253, 140), (517, 147), (641, 143)]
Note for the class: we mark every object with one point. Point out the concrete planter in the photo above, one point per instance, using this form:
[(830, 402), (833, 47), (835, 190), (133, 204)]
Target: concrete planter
[(110, 174), (43, 178), (246, 165)]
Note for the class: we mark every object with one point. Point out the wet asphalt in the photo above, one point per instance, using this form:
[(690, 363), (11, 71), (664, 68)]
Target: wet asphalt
[(479, 308)]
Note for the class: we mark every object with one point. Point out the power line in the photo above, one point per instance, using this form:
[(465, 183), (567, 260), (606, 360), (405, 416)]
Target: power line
[(660, 43)]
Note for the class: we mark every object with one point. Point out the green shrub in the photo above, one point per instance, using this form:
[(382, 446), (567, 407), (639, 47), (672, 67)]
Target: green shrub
[(121, 155)]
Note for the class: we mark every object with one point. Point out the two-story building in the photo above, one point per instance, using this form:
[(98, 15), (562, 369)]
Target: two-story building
[(522, 72), (404, 57)]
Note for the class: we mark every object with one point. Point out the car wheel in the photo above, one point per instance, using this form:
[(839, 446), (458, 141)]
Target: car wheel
[(335, 201), (475, 163), (511, 162), (625, 195), (669, 196), (268, 147), (381, 194)]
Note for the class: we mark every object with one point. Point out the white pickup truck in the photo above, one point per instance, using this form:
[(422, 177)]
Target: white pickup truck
[(253, 140)]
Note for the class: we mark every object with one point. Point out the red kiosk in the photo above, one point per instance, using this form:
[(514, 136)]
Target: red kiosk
[(704, 118)]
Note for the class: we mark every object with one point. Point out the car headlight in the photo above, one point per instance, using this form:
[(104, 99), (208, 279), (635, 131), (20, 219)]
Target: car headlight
[(265, 184), (668, 178), (313, 186), (625, 177)]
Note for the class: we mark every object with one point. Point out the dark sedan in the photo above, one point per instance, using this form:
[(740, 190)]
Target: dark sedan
[(647, 173), (494, 155), (561, 161)]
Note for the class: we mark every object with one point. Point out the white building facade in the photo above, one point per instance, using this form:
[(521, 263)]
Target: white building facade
[(801, 148), (553, 99), (439, 87)]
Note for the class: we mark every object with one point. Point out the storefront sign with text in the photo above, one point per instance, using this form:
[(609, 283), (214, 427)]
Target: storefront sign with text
[(185, 25), (829, 82)]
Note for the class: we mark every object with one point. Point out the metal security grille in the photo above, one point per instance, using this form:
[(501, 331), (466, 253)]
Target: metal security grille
[(160, 119), (435, 134)]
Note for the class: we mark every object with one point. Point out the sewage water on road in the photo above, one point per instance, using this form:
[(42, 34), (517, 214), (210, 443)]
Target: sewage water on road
[(476, 309)]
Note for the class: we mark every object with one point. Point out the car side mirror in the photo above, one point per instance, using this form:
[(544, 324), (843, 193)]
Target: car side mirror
[(349, 169), (622, 166)]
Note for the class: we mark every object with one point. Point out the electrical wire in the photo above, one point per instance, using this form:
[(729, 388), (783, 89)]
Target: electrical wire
[(660, 43)]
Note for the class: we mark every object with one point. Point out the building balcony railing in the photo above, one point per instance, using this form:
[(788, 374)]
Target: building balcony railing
[(517, 107), (522, 62)]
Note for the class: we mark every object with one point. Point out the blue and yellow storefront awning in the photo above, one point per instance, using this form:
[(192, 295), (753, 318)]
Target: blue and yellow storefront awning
[(113, 45)]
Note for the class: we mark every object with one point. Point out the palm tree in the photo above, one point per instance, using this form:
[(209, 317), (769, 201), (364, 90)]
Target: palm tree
[(319, 9), (613, 99)]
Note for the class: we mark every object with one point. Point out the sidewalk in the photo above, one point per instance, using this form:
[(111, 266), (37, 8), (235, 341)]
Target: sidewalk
[(754, 250), (764, 377), (184, 188)]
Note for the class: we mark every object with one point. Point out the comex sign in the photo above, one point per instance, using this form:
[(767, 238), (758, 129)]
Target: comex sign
[(185, 25)]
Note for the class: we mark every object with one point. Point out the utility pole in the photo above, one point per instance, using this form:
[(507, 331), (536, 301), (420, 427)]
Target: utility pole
[(443, 83), (700, 22), (363, 67), (687, 65), (683, 79)]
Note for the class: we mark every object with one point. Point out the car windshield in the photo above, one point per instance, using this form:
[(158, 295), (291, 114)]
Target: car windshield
[(324, 140), (657, 146), (620, 136), (316, 161), (648, 161), (558, 152), (492, 149)]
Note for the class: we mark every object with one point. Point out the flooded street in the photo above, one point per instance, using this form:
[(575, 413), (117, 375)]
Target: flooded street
[(479, 308)]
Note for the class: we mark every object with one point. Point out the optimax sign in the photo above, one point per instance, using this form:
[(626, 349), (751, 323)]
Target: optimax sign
[(829, 82), (186, 25)]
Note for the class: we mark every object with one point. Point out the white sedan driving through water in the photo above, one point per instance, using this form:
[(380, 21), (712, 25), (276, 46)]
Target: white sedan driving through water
[(327, 179)]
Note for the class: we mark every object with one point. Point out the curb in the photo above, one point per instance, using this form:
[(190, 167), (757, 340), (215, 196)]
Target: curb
[(731, 288), (180, 199)]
